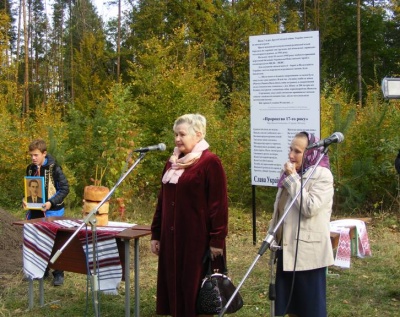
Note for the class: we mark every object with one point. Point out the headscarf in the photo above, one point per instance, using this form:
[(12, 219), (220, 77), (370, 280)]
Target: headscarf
[(178, 165), (311, 157)]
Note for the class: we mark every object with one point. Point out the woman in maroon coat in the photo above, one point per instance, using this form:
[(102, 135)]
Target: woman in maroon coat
[(191, 217)]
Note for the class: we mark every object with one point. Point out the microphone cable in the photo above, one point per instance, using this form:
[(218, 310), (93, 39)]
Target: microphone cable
[(297, 238), (125, 167)]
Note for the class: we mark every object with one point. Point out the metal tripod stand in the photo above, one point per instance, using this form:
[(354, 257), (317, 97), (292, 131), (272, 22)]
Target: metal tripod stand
[(270, 243), (91, 220)]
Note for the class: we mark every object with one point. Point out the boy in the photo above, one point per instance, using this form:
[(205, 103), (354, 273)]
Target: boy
[(56, 189)]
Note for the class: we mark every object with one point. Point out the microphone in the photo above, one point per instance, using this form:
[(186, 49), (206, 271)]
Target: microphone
[(336, 137), (158, 147)]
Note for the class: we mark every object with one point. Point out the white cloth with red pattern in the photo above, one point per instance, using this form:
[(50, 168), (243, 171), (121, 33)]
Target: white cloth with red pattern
[(343, 253), (39, 238)]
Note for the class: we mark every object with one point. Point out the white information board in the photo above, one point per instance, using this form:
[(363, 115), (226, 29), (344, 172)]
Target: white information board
[(284, 98)]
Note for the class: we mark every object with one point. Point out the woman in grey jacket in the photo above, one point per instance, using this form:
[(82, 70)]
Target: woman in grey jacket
[(304, 235)]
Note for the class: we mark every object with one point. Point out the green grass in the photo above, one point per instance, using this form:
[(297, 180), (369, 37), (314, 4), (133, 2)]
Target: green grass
[(369, 288)]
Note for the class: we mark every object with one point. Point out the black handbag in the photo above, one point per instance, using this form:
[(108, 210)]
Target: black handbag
[(215, 291)]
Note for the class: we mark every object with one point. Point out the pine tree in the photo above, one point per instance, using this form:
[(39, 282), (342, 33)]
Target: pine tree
[(87, 68)]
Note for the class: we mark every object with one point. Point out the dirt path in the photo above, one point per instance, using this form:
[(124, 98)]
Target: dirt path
[(10, 245)]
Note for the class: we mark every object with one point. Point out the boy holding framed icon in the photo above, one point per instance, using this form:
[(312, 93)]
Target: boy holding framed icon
[(44, 179)]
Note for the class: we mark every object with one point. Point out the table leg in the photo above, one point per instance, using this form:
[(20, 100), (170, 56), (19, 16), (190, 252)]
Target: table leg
[(136, 270), (355, 242), (127, 279), (30, 294), (41, 292)]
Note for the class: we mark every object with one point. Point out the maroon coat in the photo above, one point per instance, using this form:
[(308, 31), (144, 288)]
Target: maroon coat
[(191, 216)]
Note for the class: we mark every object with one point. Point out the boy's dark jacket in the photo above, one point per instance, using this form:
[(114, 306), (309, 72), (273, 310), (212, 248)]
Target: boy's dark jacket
[(56, 184)]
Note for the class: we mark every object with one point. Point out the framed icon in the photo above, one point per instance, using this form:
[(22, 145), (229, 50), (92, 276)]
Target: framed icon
[(34, 191)]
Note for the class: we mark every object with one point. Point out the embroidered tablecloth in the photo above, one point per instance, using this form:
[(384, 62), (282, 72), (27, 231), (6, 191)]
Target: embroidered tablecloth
[(39, 238), (343, 253)]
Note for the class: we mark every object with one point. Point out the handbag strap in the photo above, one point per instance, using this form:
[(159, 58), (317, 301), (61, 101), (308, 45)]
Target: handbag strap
[(207, 260)]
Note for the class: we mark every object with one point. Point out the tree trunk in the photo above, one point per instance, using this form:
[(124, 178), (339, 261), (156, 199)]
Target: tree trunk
[(72, 55), (26, 51), (359, 52), (119, 42), (18, 47)]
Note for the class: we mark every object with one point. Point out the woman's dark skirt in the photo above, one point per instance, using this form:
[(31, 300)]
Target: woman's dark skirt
[(309, 291)]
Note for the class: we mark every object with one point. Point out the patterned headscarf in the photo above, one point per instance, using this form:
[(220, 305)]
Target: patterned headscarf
[(311, 157)]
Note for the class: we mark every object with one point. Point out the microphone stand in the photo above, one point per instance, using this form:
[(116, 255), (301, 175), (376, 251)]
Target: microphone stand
[(91, 219), (269, 242), (271, 290)]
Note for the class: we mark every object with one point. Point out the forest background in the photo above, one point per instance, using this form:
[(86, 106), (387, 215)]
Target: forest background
[(95, 90)]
